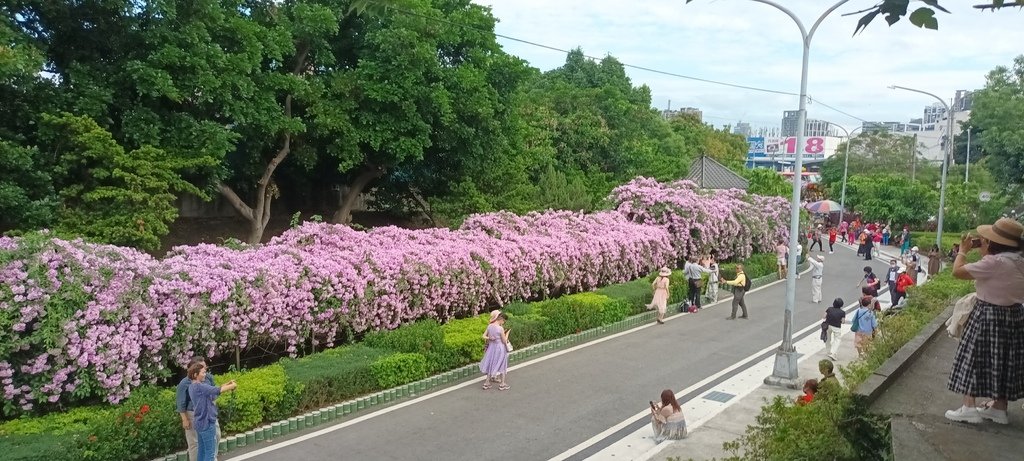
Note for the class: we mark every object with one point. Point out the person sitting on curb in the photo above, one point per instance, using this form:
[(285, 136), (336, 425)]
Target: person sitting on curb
[(810, 388), (667, 418)]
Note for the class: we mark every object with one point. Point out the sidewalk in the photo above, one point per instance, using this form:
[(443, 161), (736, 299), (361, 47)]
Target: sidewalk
[(708, 434), (917, 400)]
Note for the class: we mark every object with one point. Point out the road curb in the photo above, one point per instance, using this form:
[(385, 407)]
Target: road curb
[(880, 380)]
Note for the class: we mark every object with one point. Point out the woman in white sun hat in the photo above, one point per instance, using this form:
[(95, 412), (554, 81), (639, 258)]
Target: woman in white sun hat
[(989, 361), (660, 287)]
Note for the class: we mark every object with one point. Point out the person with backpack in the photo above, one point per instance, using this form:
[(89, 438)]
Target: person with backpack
[(741, 284), (870, 280), (863, 325)]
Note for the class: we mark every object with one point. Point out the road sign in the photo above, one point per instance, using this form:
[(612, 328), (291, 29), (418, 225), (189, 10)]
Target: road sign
[(985, 196)]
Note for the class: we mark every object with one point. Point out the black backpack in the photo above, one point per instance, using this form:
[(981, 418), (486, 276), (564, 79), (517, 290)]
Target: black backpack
[(746, 283)]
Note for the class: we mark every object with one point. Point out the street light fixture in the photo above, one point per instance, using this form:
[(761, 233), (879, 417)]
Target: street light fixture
[(846, 166), (785, 372), (945, 160)]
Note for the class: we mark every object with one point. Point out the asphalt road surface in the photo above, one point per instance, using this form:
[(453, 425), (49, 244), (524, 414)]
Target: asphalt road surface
[(562, 401)]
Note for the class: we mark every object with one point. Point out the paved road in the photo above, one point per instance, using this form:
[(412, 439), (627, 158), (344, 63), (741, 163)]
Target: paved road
[(558, 403)]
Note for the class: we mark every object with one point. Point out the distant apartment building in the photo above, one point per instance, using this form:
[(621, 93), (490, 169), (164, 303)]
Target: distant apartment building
[(933, 114), (892, 127), (963, 100), (812, 127), (743, 128), (669, 113)]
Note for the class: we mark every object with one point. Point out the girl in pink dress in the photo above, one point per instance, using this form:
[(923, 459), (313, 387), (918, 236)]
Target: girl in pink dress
[(660, 287)]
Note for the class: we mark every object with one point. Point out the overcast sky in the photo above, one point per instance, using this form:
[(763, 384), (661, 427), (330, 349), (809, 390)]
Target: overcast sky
[(747, 43)]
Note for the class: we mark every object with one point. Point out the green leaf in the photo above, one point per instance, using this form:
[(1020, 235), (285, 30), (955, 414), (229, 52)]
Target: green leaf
[(925, 18)]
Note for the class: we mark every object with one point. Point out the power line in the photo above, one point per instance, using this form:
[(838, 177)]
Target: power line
[(631, 66)]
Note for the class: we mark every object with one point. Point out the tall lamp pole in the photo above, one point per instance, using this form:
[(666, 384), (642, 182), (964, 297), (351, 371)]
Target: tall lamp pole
[(846, 166), (785, 372), (945, 160), (967, 164)]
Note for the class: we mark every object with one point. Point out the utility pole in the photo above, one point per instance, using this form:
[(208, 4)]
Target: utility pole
[(967, 164)]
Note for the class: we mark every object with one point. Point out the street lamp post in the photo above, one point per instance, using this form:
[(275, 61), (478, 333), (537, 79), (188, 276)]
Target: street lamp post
[(945, 160), (785, 372), (967, 164), (846, 166)]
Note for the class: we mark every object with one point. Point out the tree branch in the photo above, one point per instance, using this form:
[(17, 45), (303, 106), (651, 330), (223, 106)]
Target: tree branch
[(236, 202)]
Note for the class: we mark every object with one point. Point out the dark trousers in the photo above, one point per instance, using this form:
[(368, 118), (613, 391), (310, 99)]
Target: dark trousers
[(831, 246), (867, 252), (737, 300), (892, 293), (897, 297), (693, 293), (816, 242)]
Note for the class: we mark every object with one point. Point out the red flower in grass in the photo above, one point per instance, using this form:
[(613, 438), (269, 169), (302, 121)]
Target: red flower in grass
[(144, 409)]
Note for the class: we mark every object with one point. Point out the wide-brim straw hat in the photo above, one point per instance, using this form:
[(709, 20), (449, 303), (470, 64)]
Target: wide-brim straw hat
[(665, 272), (1005, 231), (494, 315)]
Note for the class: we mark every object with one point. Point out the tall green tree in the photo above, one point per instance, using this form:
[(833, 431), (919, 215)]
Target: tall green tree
[(891, 198), (996, 115), (766, 181), (873, 154), (108, 194)]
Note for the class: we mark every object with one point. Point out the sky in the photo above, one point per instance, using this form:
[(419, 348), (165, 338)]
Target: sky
[(752, 44)]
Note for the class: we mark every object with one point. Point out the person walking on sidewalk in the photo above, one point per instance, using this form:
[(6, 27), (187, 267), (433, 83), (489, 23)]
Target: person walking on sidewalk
[(694, 276), (989, 361), (817, 270), (832, 240), (834, 317), (934, 261), (903, 282), (843, 230), (870, 281), (660, 288), (495, 361), (890, 280), (905, 241), (864, 325), (740, 285)]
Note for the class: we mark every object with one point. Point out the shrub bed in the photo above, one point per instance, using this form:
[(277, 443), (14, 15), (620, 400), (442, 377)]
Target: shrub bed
[(838, 425), (145, 425), (80, 321), (734, 223)]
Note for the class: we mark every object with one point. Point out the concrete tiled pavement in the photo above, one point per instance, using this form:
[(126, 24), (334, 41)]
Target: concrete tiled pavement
[(706, 439)]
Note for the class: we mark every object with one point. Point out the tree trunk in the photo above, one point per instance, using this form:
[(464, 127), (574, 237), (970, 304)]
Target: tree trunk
[(344, 213), (425, 208)]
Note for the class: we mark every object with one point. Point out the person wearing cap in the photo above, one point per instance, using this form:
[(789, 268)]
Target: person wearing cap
[(660, 288), (913, 258), (817, 270), (903, 281), (989, 361), (834, 317)]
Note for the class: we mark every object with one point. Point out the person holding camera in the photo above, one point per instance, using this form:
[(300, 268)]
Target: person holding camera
[(739, 285), (989, 360), (667, 418), (205, 416)]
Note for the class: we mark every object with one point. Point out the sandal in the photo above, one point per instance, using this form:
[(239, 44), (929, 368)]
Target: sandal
[(486, 386), (504, 387)]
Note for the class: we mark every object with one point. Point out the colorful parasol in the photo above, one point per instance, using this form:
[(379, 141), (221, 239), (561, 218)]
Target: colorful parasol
[(823, 206)]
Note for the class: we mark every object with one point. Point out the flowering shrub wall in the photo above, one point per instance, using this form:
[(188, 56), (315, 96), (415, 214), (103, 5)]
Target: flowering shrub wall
[(731, 221), (79, 320)]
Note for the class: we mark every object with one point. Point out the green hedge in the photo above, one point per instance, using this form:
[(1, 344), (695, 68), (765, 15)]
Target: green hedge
[(260, 393), (837, 425), (397, 369), (464, 337), (332, 376)]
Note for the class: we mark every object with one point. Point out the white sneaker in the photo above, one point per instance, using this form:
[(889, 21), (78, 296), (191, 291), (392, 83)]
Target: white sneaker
[(991, 414), (964, 414)]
